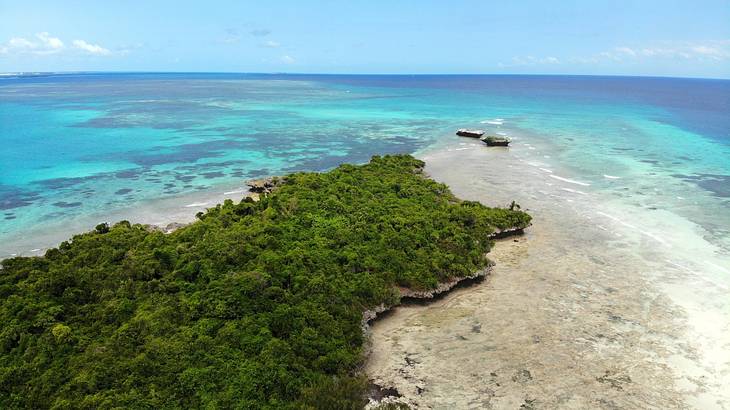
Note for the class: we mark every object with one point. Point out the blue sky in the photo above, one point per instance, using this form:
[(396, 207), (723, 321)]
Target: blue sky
[(666, 38)]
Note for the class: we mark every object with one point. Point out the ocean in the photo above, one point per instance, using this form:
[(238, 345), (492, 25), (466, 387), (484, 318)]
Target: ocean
[(78, 149), (625, 271)]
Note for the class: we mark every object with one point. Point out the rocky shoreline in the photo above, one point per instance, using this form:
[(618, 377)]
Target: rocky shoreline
[(569, 318), (409, 295), (256, 188), (379, 395)]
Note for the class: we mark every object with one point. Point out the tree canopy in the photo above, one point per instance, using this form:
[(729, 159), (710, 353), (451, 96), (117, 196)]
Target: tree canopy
[(258, 304)]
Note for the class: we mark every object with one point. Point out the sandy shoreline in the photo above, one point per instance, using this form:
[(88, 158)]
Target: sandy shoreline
[(572, 315), (160, 212)]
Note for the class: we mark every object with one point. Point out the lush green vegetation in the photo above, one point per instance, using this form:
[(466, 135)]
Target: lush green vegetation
[(256, 305)]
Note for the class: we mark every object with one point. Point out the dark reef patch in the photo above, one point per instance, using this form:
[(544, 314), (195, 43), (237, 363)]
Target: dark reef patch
[(213, 174), (254, 173), (185, 178), (129, 173), (188, 153), (123, 191), (718, 184), (64, 204), (63, 182), (11, 198)]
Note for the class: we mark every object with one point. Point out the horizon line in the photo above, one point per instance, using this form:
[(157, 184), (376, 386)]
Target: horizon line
[(39, 73)]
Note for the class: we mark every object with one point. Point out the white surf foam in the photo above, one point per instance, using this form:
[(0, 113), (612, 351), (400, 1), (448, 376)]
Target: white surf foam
[(575, 191), (570, 181), (495, 121), (634, 227), (610, 177), (194, 204)]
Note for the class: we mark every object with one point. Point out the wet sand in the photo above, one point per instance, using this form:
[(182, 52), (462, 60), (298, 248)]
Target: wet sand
[(572, 316)]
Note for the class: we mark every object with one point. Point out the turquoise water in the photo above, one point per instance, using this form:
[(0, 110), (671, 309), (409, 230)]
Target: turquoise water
[(80, 144)]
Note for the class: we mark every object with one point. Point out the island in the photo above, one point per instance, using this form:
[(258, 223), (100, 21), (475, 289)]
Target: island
[(258, 304), (494, 141), (464, 132)]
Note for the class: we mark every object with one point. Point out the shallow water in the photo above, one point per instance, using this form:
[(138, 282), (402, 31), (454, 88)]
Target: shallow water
[(82, 148)]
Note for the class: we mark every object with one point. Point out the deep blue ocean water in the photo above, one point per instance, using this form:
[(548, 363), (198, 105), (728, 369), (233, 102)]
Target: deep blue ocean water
[(77, 144)]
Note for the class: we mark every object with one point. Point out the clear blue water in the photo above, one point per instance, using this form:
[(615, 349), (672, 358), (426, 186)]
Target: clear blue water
[(76, 144)]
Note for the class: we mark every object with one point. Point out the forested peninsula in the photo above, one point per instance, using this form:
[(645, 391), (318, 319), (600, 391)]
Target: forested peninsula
[(257, 305)]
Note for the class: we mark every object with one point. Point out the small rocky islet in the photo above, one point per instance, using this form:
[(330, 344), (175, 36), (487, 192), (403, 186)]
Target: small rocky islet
[(490, 140)]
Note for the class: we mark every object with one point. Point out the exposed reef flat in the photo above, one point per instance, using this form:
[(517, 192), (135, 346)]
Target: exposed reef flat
[(571, 315)]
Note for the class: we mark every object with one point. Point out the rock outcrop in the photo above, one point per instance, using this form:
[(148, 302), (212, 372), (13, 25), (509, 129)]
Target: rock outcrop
[(407, 293), (169, 228), (383, 395), (464, 132), (263, 186), (493, 141), (442, 287), (501, 234)]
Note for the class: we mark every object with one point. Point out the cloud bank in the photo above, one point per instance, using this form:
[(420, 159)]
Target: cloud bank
[(44, 44), (94, 49), (708, 51)]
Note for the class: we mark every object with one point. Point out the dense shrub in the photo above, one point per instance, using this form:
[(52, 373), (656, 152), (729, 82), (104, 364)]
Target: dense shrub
[(256, 305)]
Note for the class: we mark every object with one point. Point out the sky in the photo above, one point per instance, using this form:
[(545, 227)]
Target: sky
[(643, 37)]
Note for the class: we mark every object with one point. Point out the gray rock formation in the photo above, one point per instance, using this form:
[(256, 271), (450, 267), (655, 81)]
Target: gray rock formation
[(493, 141), (464, 132)]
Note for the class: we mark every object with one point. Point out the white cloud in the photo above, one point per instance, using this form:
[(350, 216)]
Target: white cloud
[(94, 49), (48, 42), (287, 59), (532, 60), (710, 50), (716, 50), (626, 50), (20, 43), (44, 44), (271, 44)]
